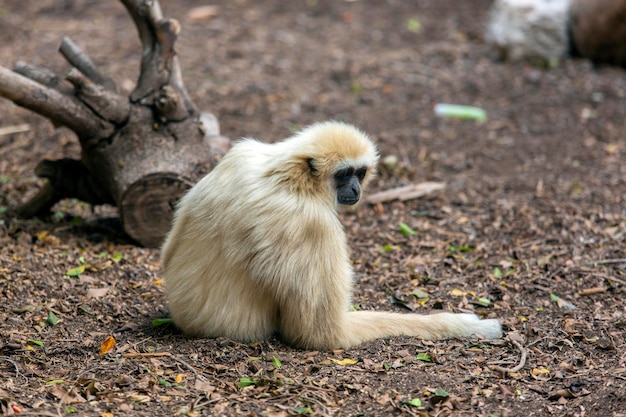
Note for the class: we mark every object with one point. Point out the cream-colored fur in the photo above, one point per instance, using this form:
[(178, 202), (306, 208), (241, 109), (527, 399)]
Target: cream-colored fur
[(257, 248)]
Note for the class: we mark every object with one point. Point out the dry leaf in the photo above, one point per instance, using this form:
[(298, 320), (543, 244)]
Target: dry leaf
[(107, 345), (97, 292), (344, 362), (139, 398), (541, 374), (66, 396)]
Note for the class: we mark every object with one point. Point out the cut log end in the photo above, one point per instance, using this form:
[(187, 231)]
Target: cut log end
[(148, 204)]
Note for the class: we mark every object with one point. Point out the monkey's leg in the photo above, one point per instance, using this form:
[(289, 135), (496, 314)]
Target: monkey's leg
[(361, 326)]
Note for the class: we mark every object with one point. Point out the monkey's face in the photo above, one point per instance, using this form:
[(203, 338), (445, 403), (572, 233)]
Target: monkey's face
[(348, 184)]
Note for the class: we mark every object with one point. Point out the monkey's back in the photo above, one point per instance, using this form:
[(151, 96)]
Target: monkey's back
[(239, 236)]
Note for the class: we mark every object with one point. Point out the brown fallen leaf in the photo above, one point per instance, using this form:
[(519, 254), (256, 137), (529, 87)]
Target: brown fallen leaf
[(561, 393), (97, 292), (66, 396), (107, 345)]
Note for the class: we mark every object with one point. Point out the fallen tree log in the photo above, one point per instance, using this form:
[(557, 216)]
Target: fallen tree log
[(139, 153)]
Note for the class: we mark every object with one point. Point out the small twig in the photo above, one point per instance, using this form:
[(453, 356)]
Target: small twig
[(146, 355), (592, 291), (606, 261), (186, 365), (197, 373), (621, 281), (9, 130), (199, 404), (406, 193), (6, 359), (522, 361)]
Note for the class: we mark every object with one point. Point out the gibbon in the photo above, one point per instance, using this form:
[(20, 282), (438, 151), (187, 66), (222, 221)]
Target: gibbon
[(257, 248)]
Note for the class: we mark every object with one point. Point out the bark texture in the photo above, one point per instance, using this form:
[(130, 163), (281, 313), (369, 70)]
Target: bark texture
[(140, 152)]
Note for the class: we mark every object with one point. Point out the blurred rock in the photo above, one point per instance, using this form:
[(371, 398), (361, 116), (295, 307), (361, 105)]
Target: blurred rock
[(528, 29), (598, 30)]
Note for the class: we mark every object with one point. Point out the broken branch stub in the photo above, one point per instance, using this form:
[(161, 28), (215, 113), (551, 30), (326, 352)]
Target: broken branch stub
[(140, 152)]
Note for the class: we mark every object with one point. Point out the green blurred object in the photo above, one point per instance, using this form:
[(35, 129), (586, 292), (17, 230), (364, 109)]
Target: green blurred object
[(460, 112)]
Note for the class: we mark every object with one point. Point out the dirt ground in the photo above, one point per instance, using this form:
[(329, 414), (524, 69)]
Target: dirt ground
[(530, 228)]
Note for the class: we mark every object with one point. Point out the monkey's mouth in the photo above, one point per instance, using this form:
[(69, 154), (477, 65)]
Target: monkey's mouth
[(349, 201)]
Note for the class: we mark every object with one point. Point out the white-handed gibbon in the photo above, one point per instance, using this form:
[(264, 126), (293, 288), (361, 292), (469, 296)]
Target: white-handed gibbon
[(257, 248)]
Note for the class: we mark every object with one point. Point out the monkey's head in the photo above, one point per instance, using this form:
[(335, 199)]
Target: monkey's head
[(338, 160)]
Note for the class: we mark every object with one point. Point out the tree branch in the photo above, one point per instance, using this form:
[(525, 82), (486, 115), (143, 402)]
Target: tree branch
[(159, 64), (43, 76), (107, 104), (57, 107), (81, 60)]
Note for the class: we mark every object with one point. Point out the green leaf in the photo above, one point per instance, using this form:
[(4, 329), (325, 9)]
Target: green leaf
[(276, 362), (415, 402), (483, 302), (165, 383), (355, 87), (387, 248), (74, 272), (162, 322), (424, 357), (52, 318), (303, 410), (55, 382), (246, 382), (441, 392), (406, 230), (554, 297), (497, 272), (85, 310), (460, 248), (117, 256), (419, 293), (460, 112), (413, 25), (35, 342)]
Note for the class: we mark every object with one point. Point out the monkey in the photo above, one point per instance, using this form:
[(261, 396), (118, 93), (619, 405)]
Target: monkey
[(257, 248)]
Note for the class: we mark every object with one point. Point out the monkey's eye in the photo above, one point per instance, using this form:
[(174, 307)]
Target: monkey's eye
[(344, 174), (360, 173)]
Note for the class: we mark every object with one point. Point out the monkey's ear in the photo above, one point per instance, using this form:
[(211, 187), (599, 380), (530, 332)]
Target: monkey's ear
[(312, 168)]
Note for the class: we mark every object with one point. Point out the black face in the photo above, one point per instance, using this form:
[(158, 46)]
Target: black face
[(348, 183)]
